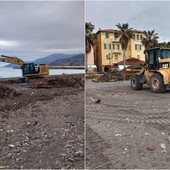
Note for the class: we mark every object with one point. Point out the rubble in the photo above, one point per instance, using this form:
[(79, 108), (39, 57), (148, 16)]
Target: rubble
[(36, 125), (7, 92), (60, 81), (111, 76)]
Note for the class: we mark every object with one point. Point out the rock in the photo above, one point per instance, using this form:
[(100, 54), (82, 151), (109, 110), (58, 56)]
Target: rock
[(71, 159), (163, 151), (163, 133), (162, 145), (11, 145), (95, 100), (117, 134), (68, 146), (151, 148), (79, 153)]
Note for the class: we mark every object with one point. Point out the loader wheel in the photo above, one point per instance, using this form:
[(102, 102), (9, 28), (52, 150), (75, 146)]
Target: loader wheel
[(136, 85), (157, 84)]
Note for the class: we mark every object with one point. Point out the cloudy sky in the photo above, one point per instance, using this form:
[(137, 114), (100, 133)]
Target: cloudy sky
[(32, 30), (141, 15)]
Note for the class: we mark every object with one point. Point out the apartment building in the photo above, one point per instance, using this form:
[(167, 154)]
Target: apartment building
[(108, 49)]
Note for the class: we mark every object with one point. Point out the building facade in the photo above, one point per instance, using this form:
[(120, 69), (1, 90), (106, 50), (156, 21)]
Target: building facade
[(91, 67), (108, 49)]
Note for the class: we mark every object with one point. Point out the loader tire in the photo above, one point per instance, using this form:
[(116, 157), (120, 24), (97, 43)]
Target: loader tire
[(136, 85), (156, 83)]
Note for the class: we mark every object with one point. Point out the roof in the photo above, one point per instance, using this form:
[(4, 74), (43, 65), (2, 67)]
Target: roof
[(113, 30), (106, 30), (131, 61), (137, 31), (160, 48)]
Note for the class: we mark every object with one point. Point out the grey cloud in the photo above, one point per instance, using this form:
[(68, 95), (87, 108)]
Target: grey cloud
[(141, 15), (38, 26)]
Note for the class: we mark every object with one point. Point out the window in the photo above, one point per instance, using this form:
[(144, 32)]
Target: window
[(116, 57), (151, 57), (106, 35), (141, 37), (137, 47), (108, 56), (138, 56), (137, 37), (116, 47), (107, 46), (115, 36)]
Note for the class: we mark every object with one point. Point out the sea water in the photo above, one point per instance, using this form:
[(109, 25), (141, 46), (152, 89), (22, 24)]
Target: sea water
[(10, 72)]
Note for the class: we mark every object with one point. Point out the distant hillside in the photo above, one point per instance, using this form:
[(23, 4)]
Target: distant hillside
[(11, 65), (51, 58), (77, 60)]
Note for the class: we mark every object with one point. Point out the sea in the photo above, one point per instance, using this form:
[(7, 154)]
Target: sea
[(10, 72)]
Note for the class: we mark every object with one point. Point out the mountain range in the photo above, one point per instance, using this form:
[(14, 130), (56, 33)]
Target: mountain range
[(59, 59), (77, 60)]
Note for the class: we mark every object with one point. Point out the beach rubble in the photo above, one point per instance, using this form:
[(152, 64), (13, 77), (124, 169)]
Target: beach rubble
[(111, 76)]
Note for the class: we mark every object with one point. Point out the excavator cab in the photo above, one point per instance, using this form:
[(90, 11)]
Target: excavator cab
[(32, 70)]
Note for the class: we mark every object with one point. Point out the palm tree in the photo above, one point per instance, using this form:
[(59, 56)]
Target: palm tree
[(89, 37), (125, 33), (90, 40), (150, 39)]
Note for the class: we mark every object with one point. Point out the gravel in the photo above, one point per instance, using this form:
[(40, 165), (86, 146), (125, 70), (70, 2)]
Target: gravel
[(126, 128)]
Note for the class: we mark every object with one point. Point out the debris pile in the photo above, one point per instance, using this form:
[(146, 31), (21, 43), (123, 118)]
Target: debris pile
[(114, 75), (60, 81), (7, 92)]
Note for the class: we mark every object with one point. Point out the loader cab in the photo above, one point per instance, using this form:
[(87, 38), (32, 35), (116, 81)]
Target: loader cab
[(157, 58), (151, 57)]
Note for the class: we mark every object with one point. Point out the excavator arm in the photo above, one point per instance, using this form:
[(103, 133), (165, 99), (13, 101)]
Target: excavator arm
[(13, 60), (28, 69)]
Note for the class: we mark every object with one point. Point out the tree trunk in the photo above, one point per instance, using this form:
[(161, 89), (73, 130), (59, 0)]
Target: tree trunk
[(124, 63), (86, 64)]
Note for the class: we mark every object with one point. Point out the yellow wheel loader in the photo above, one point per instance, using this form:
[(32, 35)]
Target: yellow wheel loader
[(155, 72)]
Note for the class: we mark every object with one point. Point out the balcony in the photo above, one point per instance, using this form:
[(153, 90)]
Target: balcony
[(116, 51), (115, 40)]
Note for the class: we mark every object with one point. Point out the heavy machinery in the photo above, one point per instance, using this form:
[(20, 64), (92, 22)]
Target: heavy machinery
[(155, 72), (29, 70)]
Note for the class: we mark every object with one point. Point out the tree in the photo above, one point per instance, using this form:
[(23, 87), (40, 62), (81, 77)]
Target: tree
[(125, 33), (164, 44), (89, 37), (90, 40), (150, 39)]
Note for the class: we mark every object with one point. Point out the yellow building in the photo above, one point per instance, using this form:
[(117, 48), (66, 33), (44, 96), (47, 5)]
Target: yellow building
[(108, 49)]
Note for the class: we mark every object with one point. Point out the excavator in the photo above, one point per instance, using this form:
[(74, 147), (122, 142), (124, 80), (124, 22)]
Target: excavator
[(155, 72), (29, 70)]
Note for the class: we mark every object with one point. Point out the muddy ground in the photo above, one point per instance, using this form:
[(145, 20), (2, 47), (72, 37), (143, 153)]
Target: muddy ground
[(42, 127), (128, 129)]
